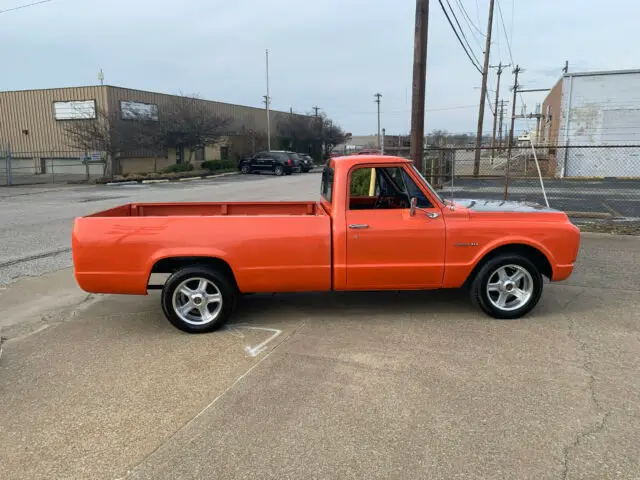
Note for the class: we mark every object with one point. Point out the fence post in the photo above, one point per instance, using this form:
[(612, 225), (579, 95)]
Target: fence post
[(8, 167), (86, 165), (506, 172)]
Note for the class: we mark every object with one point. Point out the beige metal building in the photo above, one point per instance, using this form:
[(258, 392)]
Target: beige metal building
[(32, 125)]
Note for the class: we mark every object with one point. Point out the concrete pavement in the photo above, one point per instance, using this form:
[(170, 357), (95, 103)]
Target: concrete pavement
[(358, 385)]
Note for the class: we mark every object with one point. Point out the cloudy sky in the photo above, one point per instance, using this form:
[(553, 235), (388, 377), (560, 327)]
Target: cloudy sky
[(333, 54)]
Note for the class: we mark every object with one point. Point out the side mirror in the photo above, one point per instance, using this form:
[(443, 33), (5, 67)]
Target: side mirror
[(413, 206)]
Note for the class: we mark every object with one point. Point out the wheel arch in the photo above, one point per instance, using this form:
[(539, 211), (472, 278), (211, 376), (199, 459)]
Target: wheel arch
[(533, 254), (172, 264)]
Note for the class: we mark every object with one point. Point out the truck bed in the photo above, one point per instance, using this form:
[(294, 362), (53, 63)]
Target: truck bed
[(269, 246), (212, 209)]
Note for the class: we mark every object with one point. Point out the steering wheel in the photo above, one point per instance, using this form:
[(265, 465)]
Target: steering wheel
[(380, 202)]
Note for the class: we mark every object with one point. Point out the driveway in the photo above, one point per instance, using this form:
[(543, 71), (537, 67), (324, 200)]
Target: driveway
[(393, 385)]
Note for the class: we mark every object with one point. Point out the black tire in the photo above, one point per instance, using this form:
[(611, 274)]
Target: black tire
[(225, 286), (278, 170), (246, 169), (531, 282)]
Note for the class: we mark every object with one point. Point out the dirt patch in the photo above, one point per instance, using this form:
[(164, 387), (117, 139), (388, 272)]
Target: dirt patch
[(610, 226)]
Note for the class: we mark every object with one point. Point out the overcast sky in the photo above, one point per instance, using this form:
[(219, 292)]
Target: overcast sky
[(333, 54)]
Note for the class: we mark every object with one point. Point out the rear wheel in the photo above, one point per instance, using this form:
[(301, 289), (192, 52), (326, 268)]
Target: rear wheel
[(506, 287), (279, 171), (198, 299)]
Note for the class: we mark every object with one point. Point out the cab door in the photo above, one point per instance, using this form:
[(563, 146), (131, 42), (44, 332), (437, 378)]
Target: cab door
[(387, 248)]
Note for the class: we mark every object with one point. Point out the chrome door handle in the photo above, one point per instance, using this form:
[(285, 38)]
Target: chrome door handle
[(357, 226), (432, 215)]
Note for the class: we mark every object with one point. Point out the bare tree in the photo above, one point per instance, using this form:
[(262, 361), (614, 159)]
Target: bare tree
[(317, 134), (189, 123), (105, 133), (248, 141)]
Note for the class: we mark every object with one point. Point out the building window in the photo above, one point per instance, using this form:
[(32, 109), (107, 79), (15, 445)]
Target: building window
[(224, 153), (75, 110), (200, 154), (138, 111)]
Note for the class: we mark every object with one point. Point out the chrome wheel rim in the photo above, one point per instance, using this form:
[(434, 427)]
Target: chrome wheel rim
[(279, 170), (197, 301), (245, 169), (510, 287)]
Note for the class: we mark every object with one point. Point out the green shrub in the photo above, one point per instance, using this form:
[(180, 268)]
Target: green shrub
[(360, 180), (179, 167), (217, 165)]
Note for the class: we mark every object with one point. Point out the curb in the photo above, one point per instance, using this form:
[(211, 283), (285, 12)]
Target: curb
[(164, 180), (598, 215)]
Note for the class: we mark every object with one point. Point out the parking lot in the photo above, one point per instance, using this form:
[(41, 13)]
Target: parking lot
[(357, 385), (618, 198)]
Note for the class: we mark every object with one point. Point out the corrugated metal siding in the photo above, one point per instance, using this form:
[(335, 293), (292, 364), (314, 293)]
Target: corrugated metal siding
[(250, 117), (600, 111), (32, 110)]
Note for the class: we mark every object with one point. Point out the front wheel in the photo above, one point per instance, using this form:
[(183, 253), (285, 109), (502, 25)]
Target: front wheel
[(507, 287), (198, 299)]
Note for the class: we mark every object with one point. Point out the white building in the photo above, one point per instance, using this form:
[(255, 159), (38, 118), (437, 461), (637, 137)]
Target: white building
[(594, 120)]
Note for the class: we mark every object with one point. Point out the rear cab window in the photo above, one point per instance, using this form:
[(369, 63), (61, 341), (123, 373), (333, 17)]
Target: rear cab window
[(326, 187)]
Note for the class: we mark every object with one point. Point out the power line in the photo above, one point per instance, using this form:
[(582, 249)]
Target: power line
[(468, 18), (458, 36), (462, 32), (19, 7), (504, 29)]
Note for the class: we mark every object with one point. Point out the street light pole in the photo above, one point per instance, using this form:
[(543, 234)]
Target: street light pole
[(267, 100)]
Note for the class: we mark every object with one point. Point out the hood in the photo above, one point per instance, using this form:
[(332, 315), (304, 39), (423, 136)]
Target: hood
[(501, 206)]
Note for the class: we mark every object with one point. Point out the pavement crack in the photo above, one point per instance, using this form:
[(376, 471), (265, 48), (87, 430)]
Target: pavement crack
[(36, 256), (587, 366)]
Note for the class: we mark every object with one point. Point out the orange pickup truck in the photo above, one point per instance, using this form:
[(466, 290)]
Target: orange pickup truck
[(378, 226)]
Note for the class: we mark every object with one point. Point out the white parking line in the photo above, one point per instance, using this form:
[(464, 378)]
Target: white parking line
[(259, 348)]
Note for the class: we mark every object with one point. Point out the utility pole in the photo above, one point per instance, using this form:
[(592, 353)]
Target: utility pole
[(483, 91), (495, 116), (267, 100), (500, 127), (419, 82), (513, 121), (377, 100), (566, 66), (315, 109)]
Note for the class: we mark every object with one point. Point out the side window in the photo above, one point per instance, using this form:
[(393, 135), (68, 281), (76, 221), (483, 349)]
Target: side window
[(414, 191), (378, 188), (326, 188)]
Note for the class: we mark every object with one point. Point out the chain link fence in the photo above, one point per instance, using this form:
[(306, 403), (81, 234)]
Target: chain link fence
[(52, 167), (600, 181)]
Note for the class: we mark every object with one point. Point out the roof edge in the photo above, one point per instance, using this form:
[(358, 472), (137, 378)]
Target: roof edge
[(144, 91), (601, 72)]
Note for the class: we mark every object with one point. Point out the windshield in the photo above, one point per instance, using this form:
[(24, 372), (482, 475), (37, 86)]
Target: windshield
[(428, 185)]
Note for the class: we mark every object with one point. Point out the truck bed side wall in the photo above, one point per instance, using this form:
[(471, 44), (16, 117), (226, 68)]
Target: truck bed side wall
[(266, 253)]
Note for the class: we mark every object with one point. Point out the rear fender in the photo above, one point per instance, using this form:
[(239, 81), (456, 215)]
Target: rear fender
[(178, 252)]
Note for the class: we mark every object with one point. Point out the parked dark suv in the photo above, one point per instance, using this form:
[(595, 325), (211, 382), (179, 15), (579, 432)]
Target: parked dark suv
[(306, 162), (278, 162)]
